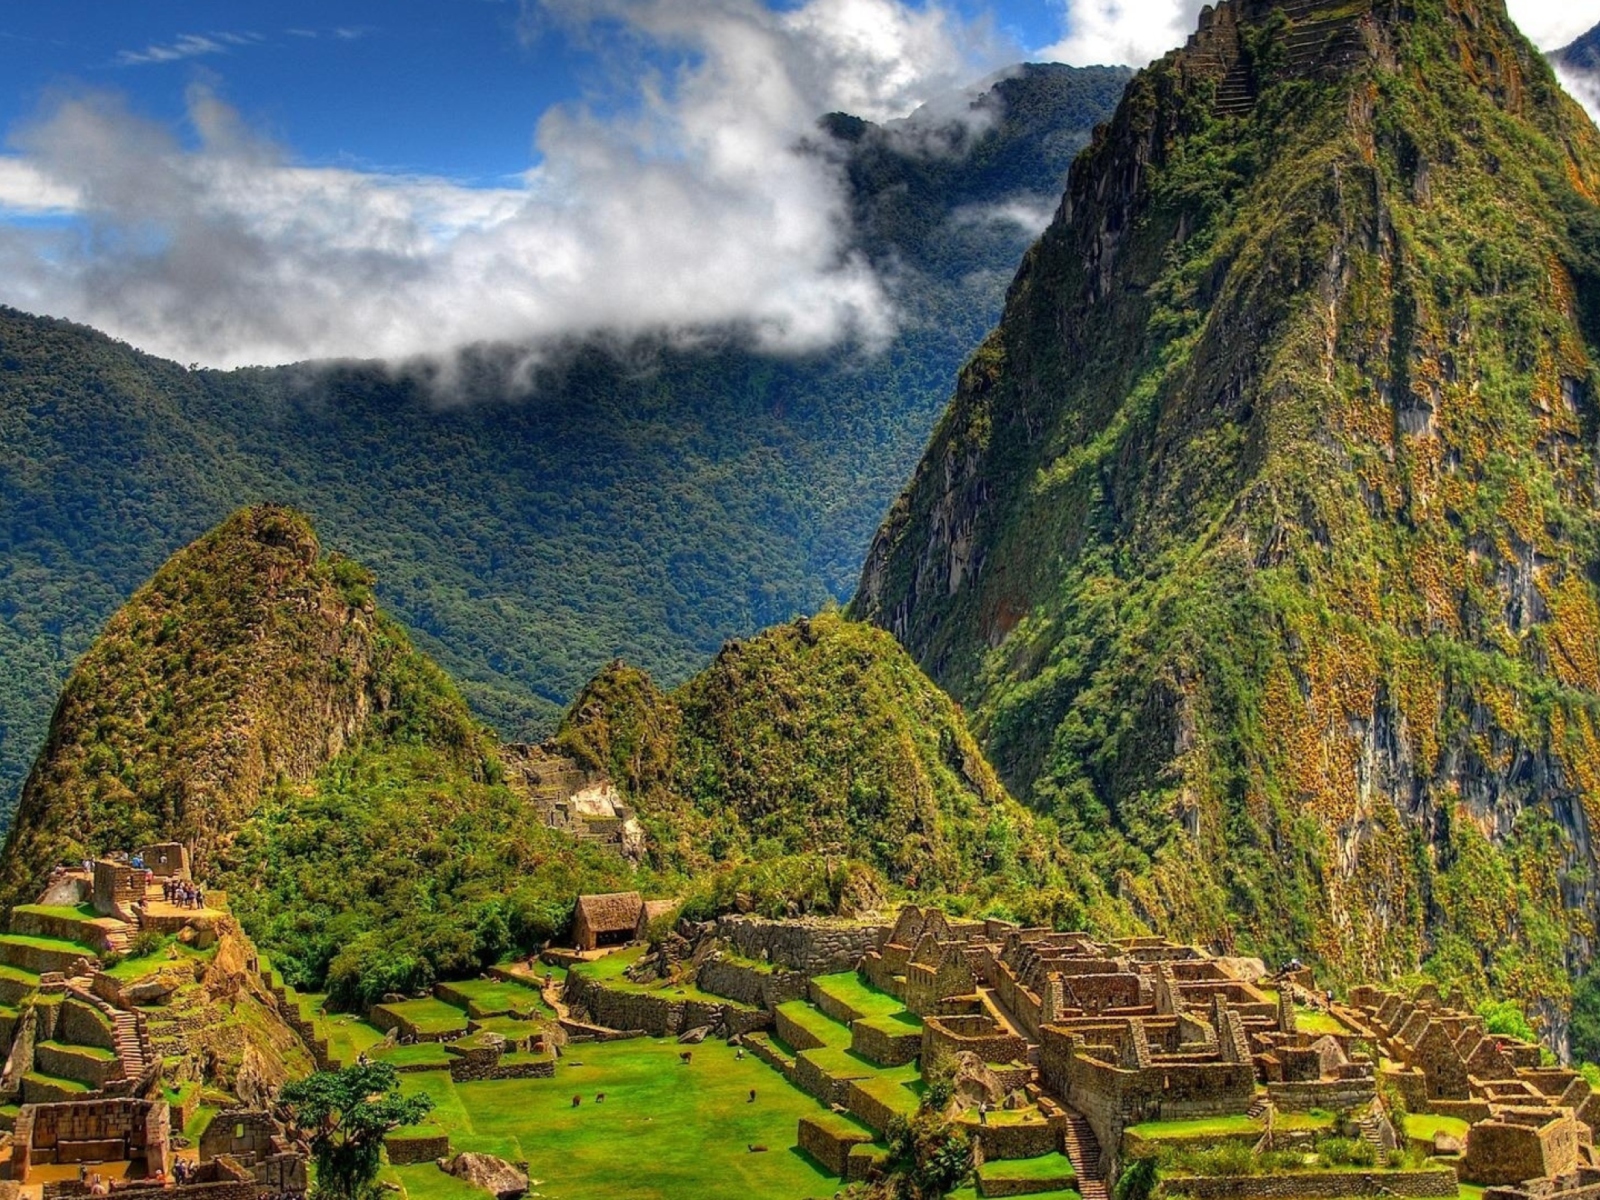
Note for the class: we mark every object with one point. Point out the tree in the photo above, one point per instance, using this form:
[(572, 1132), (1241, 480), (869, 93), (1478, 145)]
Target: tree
[(1585, 1027), (1137, 1181), (344, 1115)]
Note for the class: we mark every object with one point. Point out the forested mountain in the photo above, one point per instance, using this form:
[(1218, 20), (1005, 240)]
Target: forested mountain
[(647, 500), (254, 701), (1261, 539)]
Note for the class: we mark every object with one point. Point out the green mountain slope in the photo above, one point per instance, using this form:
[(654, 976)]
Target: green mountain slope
[(253, 701), (248, 660), (1260, 539), (649, 500), (822, 737)]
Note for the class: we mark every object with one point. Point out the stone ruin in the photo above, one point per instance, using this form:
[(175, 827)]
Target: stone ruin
[(253, 1140), (583, 804)]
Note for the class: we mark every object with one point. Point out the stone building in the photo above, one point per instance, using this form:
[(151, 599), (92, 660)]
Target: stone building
[(92, 1131)]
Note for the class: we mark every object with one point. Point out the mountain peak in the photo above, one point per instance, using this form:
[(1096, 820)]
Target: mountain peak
[(249, 658), (1252, 536)]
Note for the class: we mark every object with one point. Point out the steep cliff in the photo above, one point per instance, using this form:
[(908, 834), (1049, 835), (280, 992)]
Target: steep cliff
[(1260, 538), (247, 660)]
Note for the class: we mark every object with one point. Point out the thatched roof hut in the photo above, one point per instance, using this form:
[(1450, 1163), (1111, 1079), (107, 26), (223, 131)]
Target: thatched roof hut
[(608, 919)]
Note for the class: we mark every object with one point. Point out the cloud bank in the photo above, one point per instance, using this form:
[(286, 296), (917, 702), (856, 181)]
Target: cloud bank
[(690, 202)]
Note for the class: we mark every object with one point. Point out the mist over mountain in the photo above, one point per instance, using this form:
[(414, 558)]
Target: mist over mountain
[(593, 499)]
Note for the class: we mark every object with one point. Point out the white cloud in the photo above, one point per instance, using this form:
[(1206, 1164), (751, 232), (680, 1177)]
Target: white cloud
[(1134, 32), (187, 45), (27, 191), (1122, 32), (1551, 24), (696, 206)]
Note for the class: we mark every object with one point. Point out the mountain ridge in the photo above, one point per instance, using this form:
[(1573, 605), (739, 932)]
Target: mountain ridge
[(1223, 524), (647, 501)]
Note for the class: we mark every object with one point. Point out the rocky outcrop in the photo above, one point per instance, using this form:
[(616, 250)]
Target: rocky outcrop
[(494, 1175)]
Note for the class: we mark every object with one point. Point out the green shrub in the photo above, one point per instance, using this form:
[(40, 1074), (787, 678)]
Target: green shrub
[(145, 943)]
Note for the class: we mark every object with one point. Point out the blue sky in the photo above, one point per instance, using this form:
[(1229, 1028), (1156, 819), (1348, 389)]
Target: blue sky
[(450, 87), (234, 183)]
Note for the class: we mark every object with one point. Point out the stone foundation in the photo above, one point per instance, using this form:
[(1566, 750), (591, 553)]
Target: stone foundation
[(829, 1139), (658, 1015), (813, 947), (1326, 1186), (404, 1151)]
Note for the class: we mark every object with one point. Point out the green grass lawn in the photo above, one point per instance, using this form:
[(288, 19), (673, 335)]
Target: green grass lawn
[(510, 1027), (892, 1093), (49, 943), (348, 1035), (169, 952), (861, 997), (665, 1130), (818, 1024), (70, 912), (896, 1024), (1046, 1166), (608, 970), (496, 995), (430, 1015), (1311, 1020), (422, 1054), (1423, 1126), (1234, 1126)]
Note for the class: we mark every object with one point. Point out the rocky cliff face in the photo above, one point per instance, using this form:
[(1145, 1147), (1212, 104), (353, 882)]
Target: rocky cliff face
[(247, 659), (1260, 537)]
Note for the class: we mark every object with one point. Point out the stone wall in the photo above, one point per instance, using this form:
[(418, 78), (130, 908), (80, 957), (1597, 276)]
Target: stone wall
[(889, 1045), (1335, 1095), (757, 987), (812, 1079), (1325, 1186), (1507, 1150), (403, 1151), (110, 1130), (657, 1015), (828, 1139), (812, 946), (72, 1062), (464, 1070), (233, 1189), (1012, 1139), (945, 1037), (117, 888), (866, 1162), (83, 1024), (793, 1034), (245, 1134)]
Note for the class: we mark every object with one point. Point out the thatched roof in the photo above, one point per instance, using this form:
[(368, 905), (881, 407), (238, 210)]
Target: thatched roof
[(612, 912), (653, 909)]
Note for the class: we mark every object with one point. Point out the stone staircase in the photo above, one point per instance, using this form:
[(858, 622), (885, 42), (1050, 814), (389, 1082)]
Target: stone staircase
[(1083, 1148), (130, 1046), (1321, 33), (1259, 1107), (1370, 1135)]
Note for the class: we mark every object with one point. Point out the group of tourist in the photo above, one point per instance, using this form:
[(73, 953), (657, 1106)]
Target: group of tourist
[(183, 893)]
